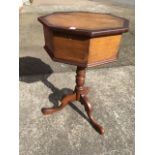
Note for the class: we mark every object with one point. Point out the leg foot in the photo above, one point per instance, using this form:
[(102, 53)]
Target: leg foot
[(65, 101), (88, 108)]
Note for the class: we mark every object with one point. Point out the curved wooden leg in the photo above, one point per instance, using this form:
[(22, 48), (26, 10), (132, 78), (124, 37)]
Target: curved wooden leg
[(88, 108), (66, 100)]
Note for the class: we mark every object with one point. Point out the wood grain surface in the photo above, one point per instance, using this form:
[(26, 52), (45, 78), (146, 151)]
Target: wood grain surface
[(103, 48), (86, 24), (82, 20), (83, 38), (81, 50)]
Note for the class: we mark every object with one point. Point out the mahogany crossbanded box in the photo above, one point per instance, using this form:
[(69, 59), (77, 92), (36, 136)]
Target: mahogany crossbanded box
[(83, 38)]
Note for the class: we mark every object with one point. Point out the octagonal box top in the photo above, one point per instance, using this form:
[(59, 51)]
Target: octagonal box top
[(83, 38), (85, 23)]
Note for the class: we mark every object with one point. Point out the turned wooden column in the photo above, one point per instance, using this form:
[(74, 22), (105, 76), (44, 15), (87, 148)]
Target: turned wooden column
[(80, 80), (81, 95)]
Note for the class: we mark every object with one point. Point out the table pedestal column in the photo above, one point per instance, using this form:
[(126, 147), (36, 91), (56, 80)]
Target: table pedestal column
[(79, 94)]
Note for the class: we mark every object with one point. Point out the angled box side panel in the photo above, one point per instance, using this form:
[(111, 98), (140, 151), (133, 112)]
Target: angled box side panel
[(103, 48), (48, 37), (70, 48)]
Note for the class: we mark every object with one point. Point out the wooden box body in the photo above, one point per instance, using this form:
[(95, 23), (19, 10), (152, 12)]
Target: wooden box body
[(83, 38), (81, 50)]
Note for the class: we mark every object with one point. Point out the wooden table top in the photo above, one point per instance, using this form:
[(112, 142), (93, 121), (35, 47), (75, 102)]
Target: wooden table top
[(87, 23)]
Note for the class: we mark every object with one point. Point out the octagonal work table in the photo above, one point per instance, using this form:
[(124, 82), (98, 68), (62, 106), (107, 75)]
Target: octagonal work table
[(84, 39)]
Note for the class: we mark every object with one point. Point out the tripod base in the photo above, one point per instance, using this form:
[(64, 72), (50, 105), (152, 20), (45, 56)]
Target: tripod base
[(79, 94)]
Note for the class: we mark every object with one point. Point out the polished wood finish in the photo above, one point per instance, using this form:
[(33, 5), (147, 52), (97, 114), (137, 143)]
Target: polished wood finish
[(83, 39), (85, 23), (89, 21), (81, 51), (79, 94), (69, 47), (83, 48), (103, 48), (66, 100)]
